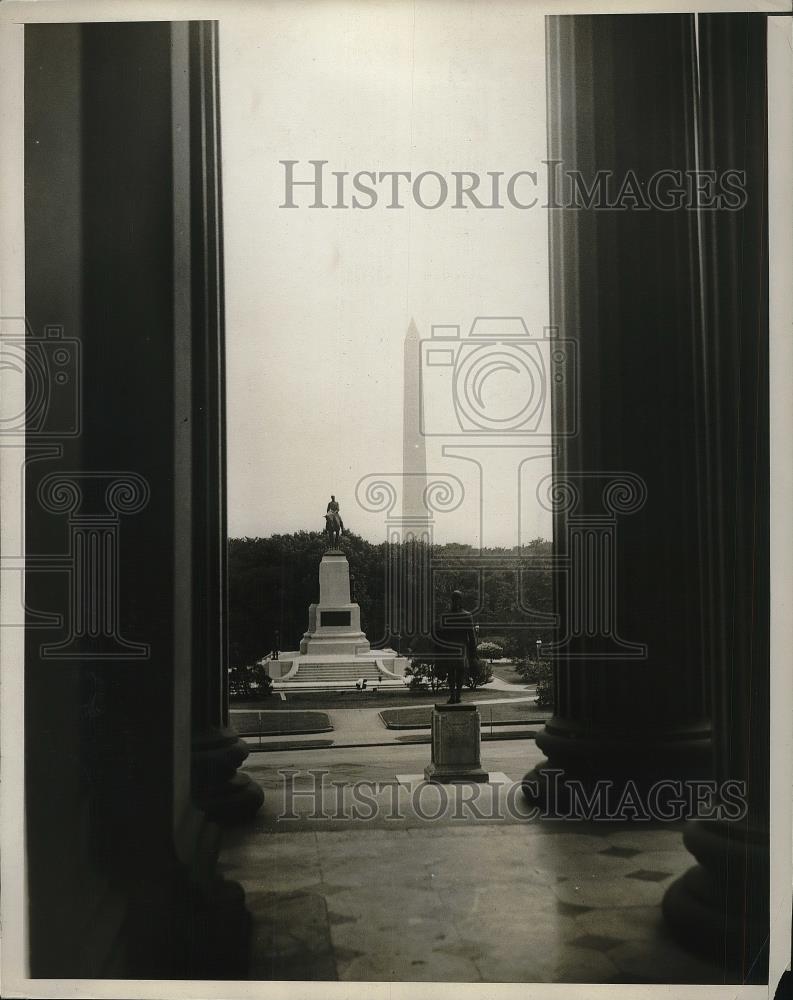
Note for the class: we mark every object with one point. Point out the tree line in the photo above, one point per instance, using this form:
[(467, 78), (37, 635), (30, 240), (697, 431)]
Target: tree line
[(273, 580)]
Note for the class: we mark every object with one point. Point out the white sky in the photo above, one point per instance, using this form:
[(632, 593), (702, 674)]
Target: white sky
[(318, 302)]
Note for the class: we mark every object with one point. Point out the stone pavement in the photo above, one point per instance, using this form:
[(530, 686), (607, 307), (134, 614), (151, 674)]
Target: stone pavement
[(393, 895)]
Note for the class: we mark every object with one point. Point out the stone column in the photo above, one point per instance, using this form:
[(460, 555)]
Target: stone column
[(121, 877), (630, 693), (219, 789), (721, 907)]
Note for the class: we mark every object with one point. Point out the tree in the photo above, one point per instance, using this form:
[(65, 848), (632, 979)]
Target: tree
[(512, 646), (273, 580)]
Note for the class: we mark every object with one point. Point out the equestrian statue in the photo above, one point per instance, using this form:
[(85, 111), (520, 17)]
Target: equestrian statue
[(334, 526)]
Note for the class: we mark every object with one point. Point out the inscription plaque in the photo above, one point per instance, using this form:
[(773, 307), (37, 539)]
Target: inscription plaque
[(334, 618), (457, 740)]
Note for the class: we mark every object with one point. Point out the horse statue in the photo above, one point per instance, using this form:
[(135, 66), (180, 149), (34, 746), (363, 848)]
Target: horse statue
[(334, 527)]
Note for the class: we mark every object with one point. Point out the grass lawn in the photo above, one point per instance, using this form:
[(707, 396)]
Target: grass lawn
[(300, 702), (499, 714), (278, 723)]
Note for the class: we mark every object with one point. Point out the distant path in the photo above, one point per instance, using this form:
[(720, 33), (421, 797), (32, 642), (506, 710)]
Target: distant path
[(497, 684)]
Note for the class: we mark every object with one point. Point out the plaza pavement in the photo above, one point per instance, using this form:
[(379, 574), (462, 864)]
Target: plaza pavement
[(393, 895)]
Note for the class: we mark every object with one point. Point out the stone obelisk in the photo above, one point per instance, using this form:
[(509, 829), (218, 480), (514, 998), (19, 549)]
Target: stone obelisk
[(410, 536), (414, 449)]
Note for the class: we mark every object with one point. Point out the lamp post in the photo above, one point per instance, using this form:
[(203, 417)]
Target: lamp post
[(538, 644)]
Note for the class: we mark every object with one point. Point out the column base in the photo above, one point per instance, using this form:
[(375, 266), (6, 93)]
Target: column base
[(219, 789), (579, 760), (183, 920), (179, 929), (719, 908)]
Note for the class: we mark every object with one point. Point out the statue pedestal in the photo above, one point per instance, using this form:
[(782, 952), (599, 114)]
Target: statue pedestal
[(455, 745), (334, 652), (334, 625)]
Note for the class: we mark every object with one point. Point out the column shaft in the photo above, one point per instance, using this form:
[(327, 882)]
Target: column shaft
[(722, 906), (631, 698), (219, 789)]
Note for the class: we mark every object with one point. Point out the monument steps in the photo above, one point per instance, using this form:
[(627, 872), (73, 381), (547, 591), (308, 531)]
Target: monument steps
[(337, 672)]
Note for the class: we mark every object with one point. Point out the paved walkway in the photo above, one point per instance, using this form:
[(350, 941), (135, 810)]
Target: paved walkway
[(498, 685), (364, 727)]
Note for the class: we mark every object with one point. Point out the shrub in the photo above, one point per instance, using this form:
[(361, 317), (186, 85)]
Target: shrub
[(545, 677), (249, 681), (490, 650), (531, 671), (480, 673), (424, 674), (239, 682), (425, 671), (261, 681)]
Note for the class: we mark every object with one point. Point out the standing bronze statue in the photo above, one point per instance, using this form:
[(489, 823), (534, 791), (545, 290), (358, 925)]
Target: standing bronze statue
[(459, 637), (334, 526)]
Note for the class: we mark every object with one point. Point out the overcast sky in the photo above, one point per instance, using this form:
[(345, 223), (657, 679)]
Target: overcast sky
[(319, 301)]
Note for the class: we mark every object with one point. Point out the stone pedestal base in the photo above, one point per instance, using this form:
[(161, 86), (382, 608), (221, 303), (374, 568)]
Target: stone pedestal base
[(334, 625), (455, 745)]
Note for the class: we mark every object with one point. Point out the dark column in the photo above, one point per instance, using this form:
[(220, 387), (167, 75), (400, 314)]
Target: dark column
[(222, 792), (121, 865), (721, 906), (630, 691), (70, 895)]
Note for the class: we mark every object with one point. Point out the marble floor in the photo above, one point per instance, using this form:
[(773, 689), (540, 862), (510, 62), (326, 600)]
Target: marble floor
[(392, 895)]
